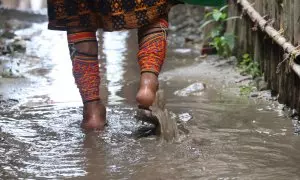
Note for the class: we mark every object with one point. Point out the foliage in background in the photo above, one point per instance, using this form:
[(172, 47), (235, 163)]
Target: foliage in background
[(248, 66), (223, 42)]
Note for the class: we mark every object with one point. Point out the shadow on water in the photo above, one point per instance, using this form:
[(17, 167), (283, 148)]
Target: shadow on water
[(226, 137)]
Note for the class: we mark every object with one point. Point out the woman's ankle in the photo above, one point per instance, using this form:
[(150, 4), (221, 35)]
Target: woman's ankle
[(147, 90), (94, 115)]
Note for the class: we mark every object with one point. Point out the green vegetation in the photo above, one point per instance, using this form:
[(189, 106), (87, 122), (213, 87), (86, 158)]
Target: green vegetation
[(248, 66), (223, 42), (246, 90)]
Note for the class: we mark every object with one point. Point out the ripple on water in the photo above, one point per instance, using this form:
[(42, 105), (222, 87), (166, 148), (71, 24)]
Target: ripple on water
[(226, 138)]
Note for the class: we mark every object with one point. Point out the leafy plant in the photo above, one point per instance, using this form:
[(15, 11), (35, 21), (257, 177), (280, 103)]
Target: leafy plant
[(246, 90), (223, 42), (248, 66), (216, 15)]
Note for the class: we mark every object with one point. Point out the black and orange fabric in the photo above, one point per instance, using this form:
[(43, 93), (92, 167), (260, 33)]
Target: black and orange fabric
[(85, 66), (152, 49), (81, 19), (109, 15)]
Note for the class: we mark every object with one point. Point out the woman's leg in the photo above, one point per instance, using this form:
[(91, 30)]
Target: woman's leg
[(151, 56), (83, 48)]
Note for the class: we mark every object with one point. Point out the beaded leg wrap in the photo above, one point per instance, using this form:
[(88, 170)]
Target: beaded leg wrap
[(152, 49), (85, 65)]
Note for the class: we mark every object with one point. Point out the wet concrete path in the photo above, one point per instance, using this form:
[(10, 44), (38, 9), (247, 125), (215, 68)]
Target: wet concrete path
[(223, 136)]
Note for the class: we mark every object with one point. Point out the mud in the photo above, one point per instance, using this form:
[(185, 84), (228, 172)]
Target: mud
[(221, 135)]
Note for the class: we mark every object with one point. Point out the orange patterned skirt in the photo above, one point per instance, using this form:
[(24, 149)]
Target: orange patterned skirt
[(109, 15)]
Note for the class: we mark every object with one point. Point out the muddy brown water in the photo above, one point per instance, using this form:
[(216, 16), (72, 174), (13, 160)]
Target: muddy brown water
[(228, 137)]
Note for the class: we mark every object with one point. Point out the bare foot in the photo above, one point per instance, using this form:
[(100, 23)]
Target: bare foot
[(147, 92), (94, 116)]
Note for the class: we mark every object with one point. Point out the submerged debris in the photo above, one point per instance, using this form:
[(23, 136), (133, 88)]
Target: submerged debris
[(10, 67), (193, 89), (185, 117), (6, 104), (12, 48), (11, 44)]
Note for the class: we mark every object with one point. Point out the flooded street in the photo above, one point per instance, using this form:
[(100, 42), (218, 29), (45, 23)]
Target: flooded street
[(222, 136)]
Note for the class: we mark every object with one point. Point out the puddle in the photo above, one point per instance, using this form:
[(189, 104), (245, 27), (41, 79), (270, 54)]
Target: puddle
[(222, 136)]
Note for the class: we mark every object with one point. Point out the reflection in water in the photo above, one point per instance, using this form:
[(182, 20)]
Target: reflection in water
[(63, 88), (24, 4), (58, 85), (56, 56), (114, 49)]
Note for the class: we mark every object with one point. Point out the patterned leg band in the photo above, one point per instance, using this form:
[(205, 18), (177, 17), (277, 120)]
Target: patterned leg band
[(85, 67), (152, 50)]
